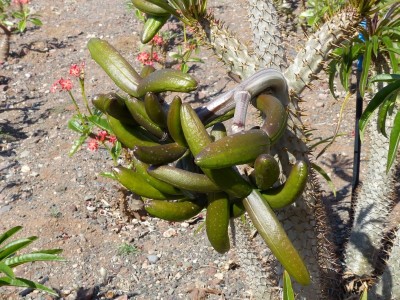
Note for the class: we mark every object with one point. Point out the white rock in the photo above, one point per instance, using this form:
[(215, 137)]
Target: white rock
[(25, 169), (169, 233)]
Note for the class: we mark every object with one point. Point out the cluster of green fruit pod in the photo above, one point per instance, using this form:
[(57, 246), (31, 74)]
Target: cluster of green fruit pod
[(180, 168)]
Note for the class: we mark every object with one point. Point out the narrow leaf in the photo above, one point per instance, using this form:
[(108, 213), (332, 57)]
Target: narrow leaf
[(364, 295), (383, 112), (325, 176), (9, 233), (78, 143), (288, 293), (25, 283), (365, 67), (385, 78), (377, 100), (393, 142), (76, 125), (100, 122), (14, 246), (31, 257), (4, 268), (394, 62)]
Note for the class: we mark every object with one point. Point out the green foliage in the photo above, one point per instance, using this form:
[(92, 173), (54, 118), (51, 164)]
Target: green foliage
[(318, 11), (127, 249), (17, 16), (288, 293), (9, 259)]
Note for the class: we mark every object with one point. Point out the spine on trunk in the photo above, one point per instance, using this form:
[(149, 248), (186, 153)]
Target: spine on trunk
[(267, 37), (309, 61)]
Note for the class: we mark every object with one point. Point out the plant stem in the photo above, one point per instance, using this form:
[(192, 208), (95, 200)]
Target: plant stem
[(82, 83), (76, 105)]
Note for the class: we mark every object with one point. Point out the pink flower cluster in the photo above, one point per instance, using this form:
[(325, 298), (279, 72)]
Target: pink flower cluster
[(21, 2), (146, 58), (63, 84), (102, 136), (157, 40)]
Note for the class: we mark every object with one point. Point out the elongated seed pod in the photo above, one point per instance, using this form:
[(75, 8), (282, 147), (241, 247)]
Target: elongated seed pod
[(166, 80), (159, 154), (151, 26), (174, 121), (275, 237), (217, 221), (115, 65), (175, 211), (154, 110), (184, 179), (134, 182), (266, 171), (149, 8), (240, 148)]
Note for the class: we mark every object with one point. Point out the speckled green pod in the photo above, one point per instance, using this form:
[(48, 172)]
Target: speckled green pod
[(137, 109), (240, 148), (149, 8), (174, 121), (288, 192), (183, 179), (146, 71), (162, 186), (271, 230), (151, 26), (266, 171), (166, 80), (159, 154), (175, 211), (155, 110), (275, 116), (217, 221), (135, 183), (115, 65), (130, 136)]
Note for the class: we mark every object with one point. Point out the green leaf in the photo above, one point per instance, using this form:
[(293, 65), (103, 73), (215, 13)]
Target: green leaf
[(116, 150), (377, 100), (36, 21), (383, 112), (394, 62), (9, 233), (14, 246), (385, 78), (375, 45), (78, 143), (100, 122), (31, 257), (75, 124), (365, 68), (395, 50), (288, 293), (332, 69), (364, 295), (22, 26), (325, 176), (108, 175), (393, 142), (25, 283), (4, 268)]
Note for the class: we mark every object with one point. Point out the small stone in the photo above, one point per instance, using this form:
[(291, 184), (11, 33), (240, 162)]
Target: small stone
[(152, 258), (219, 276), (320, 104), (5, 209), (91, 208), (24, 154), (25, 169), (169, 233), (185, 224), (34, 174), (109, 294)]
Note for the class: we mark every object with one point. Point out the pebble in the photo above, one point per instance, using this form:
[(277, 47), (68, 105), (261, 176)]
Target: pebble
[(152, 258), (219, 276), (185, 224), (24, 154), (169, 233), (5, 209), (320, 104), (25, 169)]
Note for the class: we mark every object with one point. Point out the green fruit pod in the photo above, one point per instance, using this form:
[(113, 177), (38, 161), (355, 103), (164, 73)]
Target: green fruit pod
[(176, 211), (266, 171)]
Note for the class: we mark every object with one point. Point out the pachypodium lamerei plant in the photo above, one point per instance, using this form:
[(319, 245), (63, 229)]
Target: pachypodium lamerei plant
[(214, 170), (14, 17)]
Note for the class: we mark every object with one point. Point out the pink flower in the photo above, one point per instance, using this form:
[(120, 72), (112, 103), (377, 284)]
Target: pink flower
[(102, 135), (54, 87), (143, 57), (112, 139), (157, 40), (155, 57), (66, 84), (93, 145), (75, 70), (21, 2)]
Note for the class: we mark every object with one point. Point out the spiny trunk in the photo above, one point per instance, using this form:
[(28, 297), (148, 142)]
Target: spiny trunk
[(268, 44), (309, 61)]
